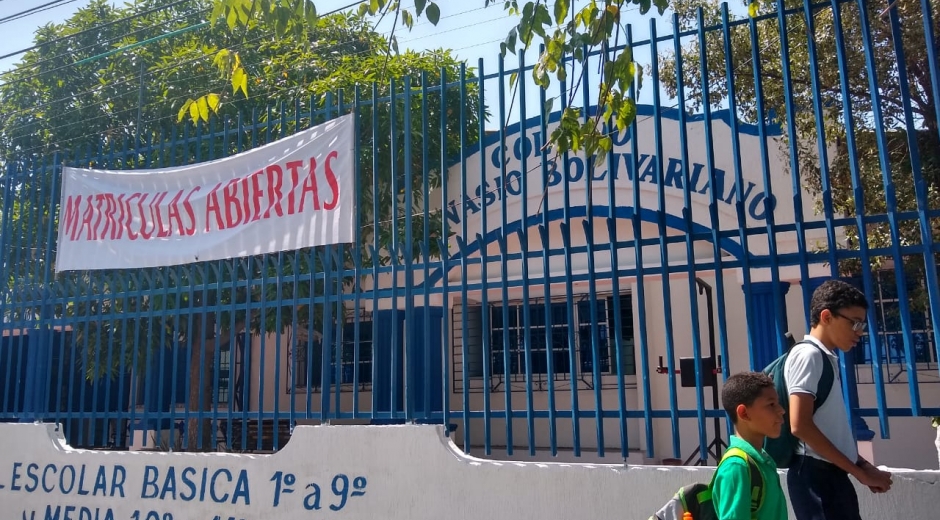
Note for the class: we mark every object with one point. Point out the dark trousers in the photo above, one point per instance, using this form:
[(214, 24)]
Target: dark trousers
[(820, 490)]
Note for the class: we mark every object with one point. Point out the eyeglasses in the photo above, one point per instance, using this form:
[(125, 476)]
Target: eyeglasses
[(857, 325)]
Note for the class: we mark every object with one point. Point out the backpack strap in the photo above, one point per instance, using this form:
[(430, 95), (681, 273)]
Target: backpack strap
[(826, 380), (757, 479)]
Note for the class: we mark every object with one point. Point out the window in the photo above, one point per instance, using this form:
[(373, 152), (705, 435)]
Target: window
[(225, 370), (307, 358), (887, 310), (549, 340)]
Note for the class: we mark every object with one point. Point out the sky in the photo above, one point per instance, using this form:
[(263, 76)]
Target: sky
[(471, 31)]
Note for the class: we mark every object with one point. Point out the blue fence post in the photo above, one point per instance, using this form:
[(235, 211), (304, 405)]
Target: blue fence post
[(764, 346)]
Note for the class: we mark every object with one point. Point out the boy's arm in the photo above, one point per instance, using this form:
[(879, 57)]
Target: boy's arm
[(731, 490), (804, 428)]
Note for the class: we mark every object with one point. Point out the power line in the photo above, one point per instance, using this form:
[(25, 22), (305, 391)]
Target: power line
[(108, 53), (36, 65), (35, 10), (170, 67), (95, 28)]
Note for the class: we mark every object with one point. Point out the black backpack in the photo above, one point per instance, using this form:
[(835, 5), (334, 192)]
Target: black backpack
[(783, 448)]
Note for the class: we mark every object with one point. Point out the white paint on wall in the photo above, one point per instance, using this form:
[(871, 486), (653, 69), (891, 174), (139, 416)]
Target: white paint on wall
[(393, 472)]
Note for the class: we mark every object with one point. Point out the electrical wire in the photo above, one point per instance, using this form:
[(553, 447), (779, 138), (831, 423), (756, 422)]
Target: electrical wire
[(143, 29), (169, 67), (35, 10), (90, 29)]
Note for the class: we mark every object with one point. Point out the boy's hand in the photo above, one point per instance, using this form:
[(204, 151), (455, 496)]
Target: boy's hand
[(876, 480)]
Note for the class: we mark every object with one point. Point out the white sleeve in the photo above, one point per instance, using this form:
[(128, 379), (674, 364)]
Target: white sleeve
[(803, 370)]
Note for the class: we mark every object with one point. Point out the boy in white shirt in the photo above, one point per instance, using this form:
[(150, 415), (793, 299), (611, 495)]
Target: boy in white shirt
[(818, 479)]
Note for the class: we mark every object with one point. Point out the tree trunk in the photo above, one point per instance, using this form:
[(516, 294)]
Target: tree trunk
[(201, 362)]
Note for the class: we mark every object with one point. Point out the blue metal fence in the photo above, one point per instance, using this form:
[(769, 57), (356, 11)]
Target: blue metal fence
[(516, 296)]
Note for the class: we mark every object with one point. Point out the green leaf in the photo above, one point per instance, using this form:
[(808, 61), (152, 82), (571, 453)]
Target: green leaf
[(419, 6), (561, 10), (752, 9), (232, 19), (183, 110), (661, 5), (194, 112), (407, 19), (311, 13), (627, 114), (513, 78), (213, 102), (644, 6), (510, 43), (548, 106), (203, 105), (433, 12), (240, 81), (218, 9)]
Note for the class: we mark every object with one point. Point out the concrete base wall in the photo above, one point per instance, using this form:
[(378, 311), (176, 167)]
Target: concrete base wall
[(391, 472)]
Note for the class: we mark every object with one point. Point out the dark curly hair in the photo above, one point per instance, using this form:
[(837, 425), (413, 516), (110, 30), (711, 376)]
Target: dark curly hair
[(743, 388), (834, 295)]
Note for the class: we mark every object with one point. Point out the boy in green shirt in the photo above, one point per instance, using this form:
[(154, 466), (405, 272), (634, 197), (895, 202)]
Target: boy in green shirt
[(752, 405)]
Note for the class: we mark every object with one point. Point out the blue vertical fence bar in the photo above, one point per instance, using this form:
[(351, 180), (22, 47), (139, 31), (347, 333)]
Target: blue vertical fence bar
[(793, 150), (425, 375), (822, 151), (484, 269), (663, 247), (689, 244), (771, 237), (892, 210), (395, 251), (616, 303), (523, 235), (858, 194), (409, 379), (588, 227), (565, 229), (913, 146), (548, 315), (444, 252), (507, 346), (357, 250), (463, 250), (374, 247), (713, 214), (738, 178), (637, 227)]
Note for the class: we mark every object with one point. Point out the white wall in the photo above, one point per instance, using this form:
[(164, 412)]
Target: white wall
[(406, 472)]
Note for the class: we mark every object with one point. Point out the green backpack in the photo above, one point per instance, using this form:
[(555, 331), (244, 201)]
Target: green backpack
[(697, 498), (783, 448)]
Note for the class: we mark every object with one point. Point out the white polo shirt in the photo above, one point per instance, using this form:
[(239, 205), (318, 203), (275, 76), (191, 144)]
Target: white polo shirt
[(803, 371)]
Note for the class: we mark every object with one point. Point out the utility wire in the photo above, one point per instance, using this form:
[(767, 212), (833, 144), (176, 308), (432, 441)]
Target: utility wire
[(185, 62), (34, 10), (142, 29), (91, 29)]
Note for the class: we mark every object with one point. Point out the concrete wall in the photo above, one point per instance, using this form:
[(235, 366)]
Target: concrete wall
[(394, 472)]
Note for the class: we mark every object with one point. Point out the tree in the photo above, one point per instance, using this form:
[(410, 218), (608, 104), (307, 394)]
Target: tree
[(896, 37), (569, 38), (62, 101)]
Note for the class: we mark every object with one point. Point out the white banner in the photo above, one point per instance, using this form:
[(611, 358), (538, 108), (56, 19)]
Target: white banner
[(293, 193)]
